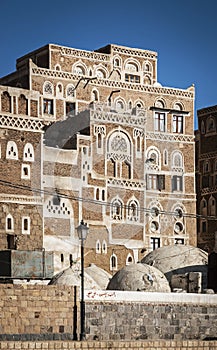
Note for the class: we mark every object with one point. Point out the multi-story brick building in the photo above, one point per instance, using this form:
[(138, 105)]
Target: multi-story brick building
[(117, 152), (206, 177)]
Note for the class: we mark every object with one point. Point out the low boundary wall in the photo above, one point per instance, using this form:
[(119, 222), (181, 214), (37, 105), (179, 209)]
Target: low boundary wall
[(137, 345)]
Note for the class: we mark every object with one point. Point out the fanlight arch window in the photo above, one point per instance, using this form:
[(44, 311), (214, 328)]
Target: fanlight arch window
[(117, 209), (11, 151), (28, 152), (79, 70), (100, 74), (133, 210), (160, 104), (178, 106), (70, 91), (131, 67), (48, 88)]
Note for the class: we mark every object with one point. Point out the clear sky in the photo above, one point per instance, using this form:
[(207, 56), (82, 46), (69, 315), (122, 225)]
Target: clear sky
[(183, 32)]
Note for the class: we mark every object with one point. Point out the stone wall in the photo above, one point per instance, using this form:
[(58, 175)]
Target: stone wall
[(113, 315), (31, 312), (47, 313)]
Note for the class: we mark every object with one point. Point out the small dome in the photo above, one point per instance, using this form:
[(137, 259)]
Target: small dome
[(94, 277), (178, 259), (139, 277)]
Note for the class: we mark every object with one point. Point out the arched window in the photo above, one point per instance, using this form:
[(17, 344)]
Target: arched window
[(6, 102), (79, 70), (177, 160), (98, 247), (11, 151), (57, 67), (131, 67), (28, 153), (147, 80), (206, 167), (104, 247), (116, 62), (129, 259), (178, 106), (9, 223), (119, 105), (117, 209), (119, 150), (100, 74), (210, 124), (212, 206), (153, 159), (95, 95), (203, 207), (159, 104), (113, 262), (202, 127), (48, 88), (22, 105), (70, 91), (59, 89), (133, 210)]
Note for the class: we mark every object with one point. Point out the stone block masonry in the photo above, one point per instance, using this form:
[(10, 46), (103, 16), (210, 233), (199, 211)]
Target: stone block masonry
[(32, 312), (111, 345), (43, 314)]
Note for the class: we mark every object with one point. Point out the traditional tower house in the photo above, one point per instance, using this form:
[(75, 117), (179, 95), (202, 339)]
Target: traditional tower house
[(206, 176), (118, 152)]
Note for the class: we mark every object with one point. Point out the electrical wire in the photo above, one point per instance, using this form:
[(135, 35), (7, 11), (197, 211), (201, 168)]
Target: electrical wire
[(104, 203)]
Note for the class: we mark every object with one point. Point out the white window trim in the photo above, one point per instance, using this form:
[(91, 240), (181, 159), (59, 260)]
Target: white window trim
[(26, 232)]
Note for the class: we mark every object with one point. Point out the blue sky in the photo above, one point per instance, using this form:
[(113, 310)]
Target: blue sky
[(183, 32)]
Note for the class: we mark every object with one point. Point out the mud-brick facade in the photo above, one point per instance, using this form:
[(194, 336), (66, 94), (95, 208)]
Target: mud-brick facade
[(118, 152), (206, 177)]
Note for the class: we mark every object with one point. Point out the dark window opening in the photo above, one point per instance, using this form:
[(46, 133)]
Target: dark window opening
[(12, 241), (70, 109), (131, 78), (48, 106)]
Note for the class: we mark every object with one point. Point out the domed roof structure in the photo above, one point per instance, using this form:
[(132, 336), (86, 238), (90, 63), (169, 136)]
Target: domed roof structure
[(178, 259), (94, 277), (139, 277)]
